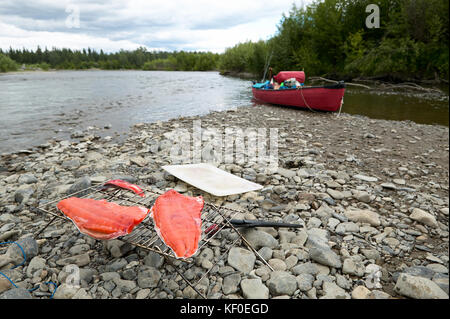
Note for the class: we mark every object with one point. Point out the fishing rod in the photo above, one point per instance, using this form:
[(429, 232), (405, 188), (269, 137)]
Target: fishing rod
[(266, 66)]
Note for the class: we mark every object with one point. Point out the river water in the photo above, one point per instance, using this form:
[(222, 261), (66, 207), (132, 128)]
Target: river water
[(38, 106)]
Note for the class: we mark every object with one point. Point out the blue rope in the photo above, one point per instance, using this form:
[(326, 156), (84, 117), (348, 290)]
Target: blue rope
[(22, 263)]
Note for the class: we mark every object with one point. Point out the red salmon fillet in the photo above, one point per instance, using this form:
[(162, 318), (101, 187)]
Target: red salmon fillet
[(101, 219), (178, 222)]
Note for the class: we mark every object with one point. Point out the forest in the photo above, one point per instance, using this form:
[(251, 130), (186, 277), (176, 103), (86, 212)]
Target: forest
[(330, 38), (325, 38)]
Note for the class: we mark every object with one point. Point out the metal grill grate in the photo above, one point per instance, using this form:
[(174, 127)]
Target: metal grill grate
[(144, 235)]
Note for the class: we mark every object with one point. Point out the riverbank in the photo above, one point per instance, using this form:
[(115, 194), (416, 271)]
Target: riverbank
[(371, 193)]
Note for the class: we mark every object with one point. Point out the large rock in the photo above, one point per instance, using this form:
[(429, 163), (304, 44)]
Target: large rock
[(363, 216), (241, 259), (333, 291), (418, 288), (423, 217), (282, 283), (259, 239), (325, 256), (254, 289), (30, 248)]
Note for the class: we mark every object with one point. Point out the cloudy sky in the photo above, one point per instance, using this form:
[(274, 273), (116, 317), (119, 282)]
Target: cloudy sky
[(202, 25)]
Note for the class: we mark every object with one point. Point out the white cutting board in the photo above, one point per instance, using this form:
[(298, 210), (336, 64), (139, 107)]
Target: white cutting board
[(211, 179)]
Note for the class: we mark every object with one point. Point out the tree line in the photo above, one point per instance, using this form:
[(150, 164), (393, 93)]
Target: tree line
[(325, 38), (140, 59)]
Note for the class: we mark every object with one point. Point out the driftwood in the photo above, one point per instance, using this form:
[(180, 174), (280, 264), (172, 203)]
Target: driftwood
[(382, 85), (318, 78)]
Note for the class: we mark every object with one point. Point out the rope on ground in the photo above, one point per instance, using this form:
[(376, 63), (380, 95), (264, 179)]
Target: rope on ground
[(22, 263)]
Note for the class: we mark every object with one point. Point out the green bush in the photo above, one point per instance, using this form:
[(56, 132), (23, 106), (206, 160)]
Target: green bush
[(7, 64)]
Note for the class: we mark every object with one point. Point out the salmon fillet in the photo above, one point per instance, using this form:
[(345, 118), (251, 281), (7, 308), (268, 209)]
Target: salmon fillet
[(178, 222), (101, 219)]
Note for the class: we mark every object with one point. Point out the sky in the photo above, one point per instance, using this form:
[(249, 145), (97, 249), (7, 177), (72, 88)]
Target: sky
[(196, 25)]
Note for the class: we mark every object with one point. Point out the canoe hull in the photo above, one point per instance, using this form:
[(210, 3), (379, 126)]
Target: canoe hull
[(323, 98)]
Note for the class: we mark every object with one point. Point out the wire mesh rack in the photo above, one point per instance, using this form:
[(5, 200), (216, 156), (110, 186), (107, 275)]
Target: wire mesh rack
[(216, 243)]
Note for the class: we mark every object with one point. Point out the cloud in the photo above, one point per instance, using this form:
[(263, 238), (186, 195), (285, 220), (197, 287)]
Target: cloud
[(171, 25)]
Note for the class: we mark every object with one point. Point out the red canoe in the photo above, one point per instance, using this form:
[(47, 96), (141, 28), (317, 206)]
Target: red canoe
[(323, 98)]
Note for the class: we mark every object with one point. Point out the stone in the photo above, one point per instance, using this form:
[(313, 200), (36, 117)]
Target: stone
[(231, 283), (139, 160), (258, 238), (361, 196), (71, 164), (363, 216), (442, 281), (27, 179), (29, 246), (335, 194), (438, 268), (423, 217), (79, 185), (333, 291), (82, 294), (266, 253), (371, 253), (361, 292), (282, 283), (37, 263), (325, 256), (148, 277), (277, 264), (124, 285), (305, 282), (254, 289), (241, 259), (79, 260), (16, 293), (365, 178), (22, 194), (346, 227), (317, 237), (352, 266), (418, 288), (389, 186), (65, 291), (419, 271), (153, 260), (307, 268), (286, 172)]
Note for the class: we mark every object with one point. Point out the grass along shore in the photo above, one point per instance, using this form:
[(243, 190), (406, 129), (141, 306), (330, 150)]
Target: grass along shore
[(369, 192)]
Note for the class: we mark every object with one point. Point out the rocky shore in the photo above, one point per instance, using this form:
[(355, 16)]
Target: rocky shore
[(372, 196)]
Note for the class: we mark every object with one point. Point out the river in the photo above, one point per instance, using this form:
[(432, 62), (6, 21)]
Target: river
[(38, 106)]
